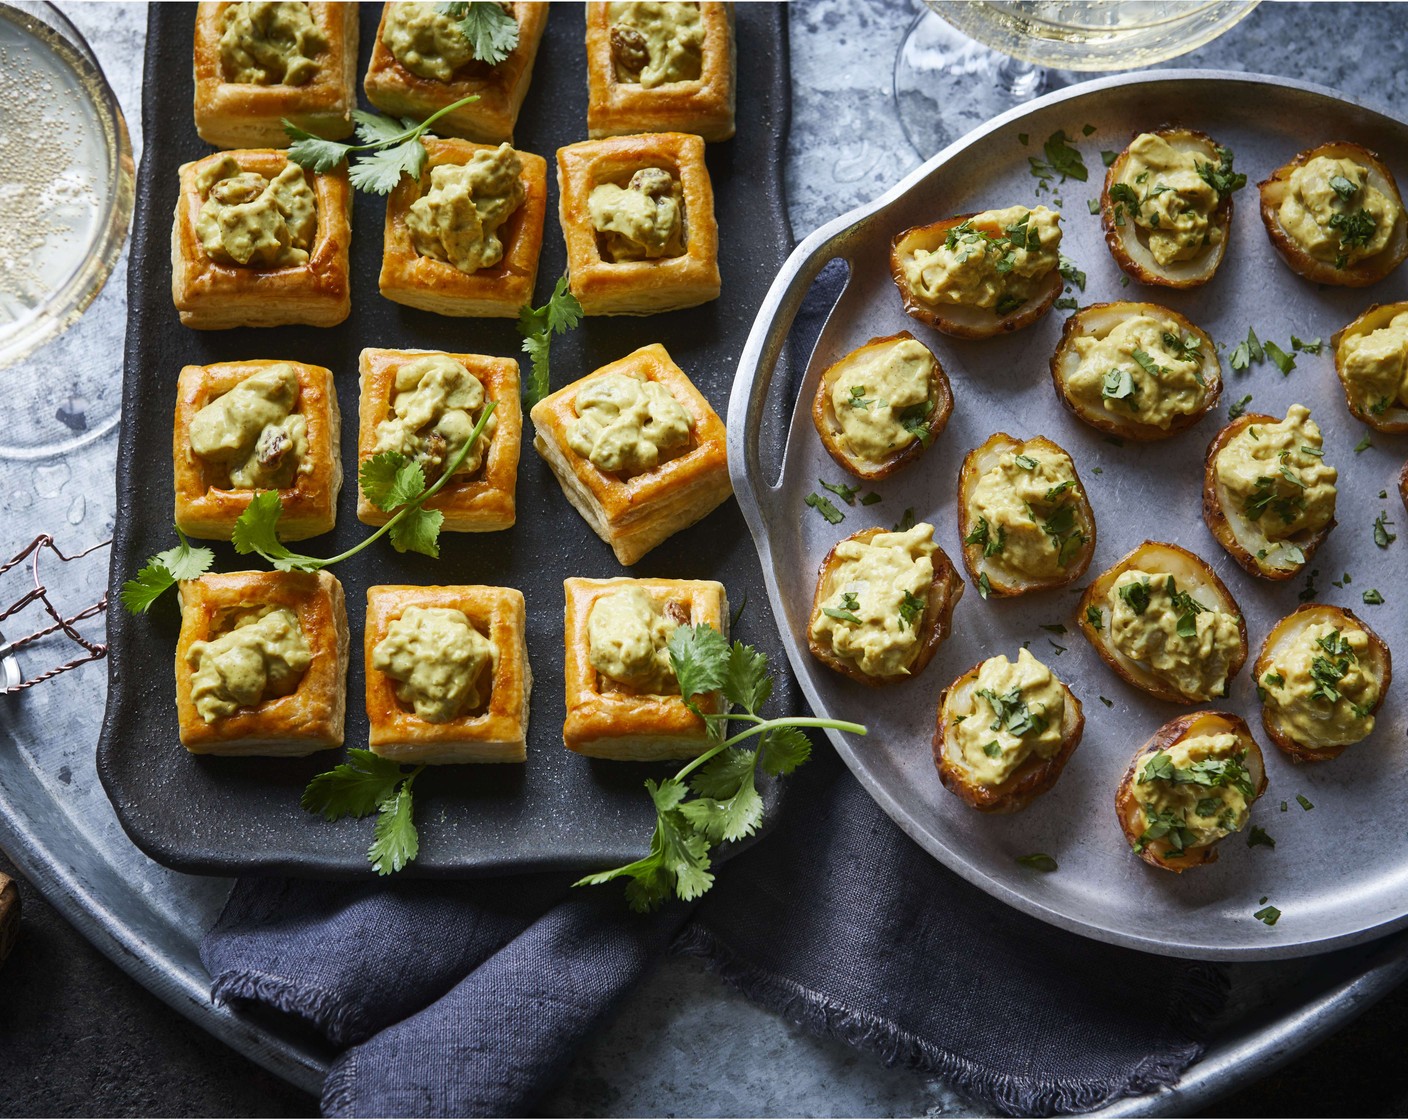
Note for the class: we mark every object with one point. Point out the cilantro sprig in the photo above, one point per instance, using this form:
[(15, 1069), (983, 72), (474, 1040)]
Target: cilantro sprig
[(395, 147), (162, 571), (364, 784), (390, 482), (537, 325), (492, 34), (715, 797)]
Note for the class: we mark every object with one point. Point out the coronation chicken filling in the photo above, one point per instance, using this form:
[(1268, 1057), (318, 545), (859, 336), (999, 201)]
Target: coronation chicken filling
[(654, 42), (1172, 634), (253, 431), (1017, 713), (1320, 688), (1145, 369), (1277, 478), (1335, 214), (255, 222), (1194, 793), (426, 40), (624, 423), (434, 407), (881, 398), (269, 44), (628, 634), (458, 219), (875, 610), (1023, 512), (263, 655), (644, 220), (438, 661), (1375, 365), (997, 259), (1162, 189)]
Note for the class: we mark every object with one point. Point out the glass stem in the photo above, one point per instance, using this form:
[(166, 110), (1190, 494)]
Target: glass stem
[(1019, 78)]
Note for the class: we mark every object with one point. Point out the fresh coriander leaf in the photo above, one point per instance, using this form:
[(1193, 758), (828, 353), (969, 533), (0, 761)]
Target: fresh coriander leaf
[(165, 569), (1008, 304), (1108, 157), (984, 585), (724, 773), (353, 788), (374, 130), (381, 170), (1053, 628), (1382, 537), (825, 507), (390, 479), (699, 656), (1070, 273), (1026, 462), (1373, 597), (312, 152), (730, 818), (491, 32), (1063, 158), (870, 499), (418, 530), (746, 681), (1343, 187), (1258, 838), (1107, 702), (1268, 914), (915, 420), (561, 313), (1364, 445), (784, 749), (395, 842), (846, 493), (1095, 616), (1038, 861), (1238, 408), (1304, 802), (1093, 204), (256, 529), (1284, 362), (842, 614), (1305, 347), (906, 522), (911, 610)]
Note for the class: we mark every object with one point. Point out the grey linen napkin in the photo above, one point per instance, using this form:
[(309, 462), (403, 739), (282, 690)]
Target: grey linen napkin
[(470, 998)]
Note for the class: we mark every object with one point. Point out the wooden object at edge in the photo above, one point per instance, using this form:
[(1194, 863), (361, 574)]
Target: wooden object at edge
[(9, 915)]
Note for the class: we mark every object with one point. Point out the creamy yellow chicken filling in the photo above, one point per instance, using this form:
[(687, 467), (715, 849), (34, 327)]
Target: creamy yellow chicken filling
[(881, 399), (442, 665), (1194, 793), (655, 42), (997, 259), (252, 221), (426, 40), (873, 614), (262, 655), (434, 406), (644, 220), (1168, 193), (625, 424), (628, 635), (1172, 633), (459, 218), (1320, 687), (1277, 477), (1335, 213), (1023, 512), (254, 432), (1147, 369), (269, 44), (1017, 712), (1374, 365)]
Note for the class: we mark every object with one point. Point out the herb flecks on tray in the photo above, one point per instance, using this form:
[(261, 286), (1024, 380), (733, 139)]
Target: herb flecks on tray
[(537, 325), (394, 148), (725, 803)]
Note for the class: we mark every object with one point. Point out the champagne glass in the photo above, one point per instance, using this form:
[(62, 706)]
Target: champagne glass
[(964, 62)]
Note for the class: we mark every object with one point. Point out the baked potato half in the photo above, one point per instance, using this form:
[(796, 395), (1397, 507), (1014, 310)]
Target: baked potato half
[(1051, 539), (1158, 801), (909, 631), (1337, 263), (1122, 200), (1116, 397), (969, 773), (1225, 629), (1321, 676), (864, 432), (1403, 485), (1245, 538), (958, 319), (1372, 375)]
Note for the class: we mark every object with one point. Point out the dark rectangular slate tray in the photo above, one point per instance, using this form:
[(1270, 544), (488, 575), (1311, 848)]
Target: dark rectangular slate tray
[(557, 811)]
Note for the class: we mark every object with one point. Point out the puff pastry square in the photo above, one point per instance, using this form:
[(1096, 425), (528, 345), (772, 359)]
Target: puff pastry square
[(498, 733), (635, 513), (212, 296), (207, 506), (605, 287), (501, 89), (417, 281), (482, 502), (606, 719), (248, 115), (306, 720), (704, 107)]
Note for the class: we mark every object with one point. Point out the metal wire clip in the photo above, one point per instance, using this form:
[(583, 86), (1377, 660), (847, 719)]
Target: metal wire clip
[(11, 679)]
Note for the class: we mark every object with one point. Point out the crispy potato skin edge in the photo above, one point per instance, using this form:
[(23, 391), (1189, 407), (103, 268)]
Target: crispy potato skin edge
[(1382, 422)]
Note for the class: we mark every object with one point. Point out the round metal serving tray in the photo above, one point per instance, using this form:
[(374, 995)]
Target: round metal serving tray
[(1332, 875)]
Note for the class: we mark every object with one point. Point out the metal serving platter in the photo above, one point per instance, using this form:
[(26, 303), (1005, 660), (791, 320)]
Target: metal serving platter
[(1331, 873)]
